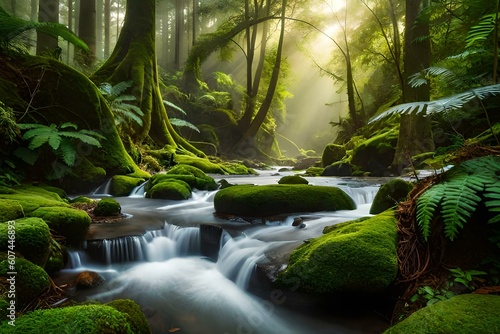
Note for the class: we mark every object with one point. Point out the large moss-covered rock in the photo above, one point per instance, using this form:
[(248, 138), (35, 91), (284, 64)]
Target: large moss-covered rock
[(357, 257), (203, 181), (202, 164), (67, 222), (88, 319), (10, 210), (30, 236), (268, 200), (107, 207), (122, 185), (338, 168), (32, 197), (463, 314), (30, 281), (173, 189), (133, 313), (376, 154), (390, 194), (332, 153), (293, 179)]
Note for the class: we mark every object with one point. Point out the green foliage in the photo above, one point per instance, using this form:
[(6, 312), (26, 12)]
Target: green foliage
[(107, 207), (458, 195), (482, 30), (60, 139), (12, 27), (135, 317), (9, 130), (177, 121), (119, 103)]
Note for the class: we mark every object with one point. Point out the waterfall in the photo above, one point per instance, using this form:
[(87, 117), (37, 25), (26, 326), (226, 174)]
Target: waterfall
[(104, 189), (363, 195), (138, 191)]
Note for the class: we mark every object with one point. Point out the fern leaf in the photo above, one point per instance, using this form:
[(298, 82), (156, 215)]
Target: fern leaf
[(92, 134), (106, 88), (54, 141), (26, 126), (124, 114), (27, 155), (124, 98), (38, 141), (68, 125), (426, 207), (39, 131), (180, 122), (172, 105), (121, 87), (81, 137), (67, 152), (482, 30)]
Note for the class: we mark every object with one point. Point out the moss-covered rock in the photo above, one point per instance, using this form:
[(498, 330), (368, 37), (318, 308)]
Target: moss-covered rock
[(203, 181), (91, 319), (122, 185), (332, 153), (463, 314), (30, 281), (376, 154), (390, 194), (293, 179), (268, 200), (10, 210), (59, 191), (83, 177), (173, 189), (107, 207), (31, 238), (202, 164), (314, 171), (357, 257), (67, 222), (32, 197), (338, 168), (82, 200), (133, 313)]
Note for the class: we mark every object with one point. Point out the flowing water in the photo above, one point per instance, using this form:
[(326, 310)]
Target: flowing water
[(194, 273)]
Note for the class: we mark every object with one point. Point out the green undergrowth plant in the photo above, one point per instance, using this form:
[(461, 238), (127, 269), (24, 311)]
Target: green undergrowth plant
[(459, 194), (119, 103)]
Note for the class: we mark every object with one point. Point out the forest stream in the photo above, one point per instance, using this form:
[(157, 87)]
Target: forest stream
[(167, 271)]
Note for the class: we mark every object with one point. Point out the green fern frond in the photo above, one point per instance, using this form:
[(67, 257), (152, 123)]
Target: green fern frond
[(38, 141), (427, 204), (183, 123), (482, 30), (92, 134), (120, 87), (68, 152), (125, 114), (81, 137), (124, 98), (68, 125), (172, 105), (27, 155), (54, 141)]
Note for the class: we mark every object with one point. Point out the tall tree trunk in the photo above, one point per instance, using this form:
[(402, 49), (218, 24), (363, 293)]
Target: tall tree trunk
[(48, 11), (134, 58), (34, 18), (70, 27), (87, 29), (250, 132), (196, 19), (107, 23), (99, 43), (179, 32), (415, 132)]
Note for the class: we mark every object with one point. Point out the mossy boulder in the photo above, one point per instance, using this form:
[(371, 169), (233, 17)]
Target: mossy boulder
[(352, 258), (338, 168), (83, 177), (376, 154), (293, 179), (31, 238), (91, 319), (122, 185), (67, 222), (463, 314), (390, 194), (173, 189), (31, 280), (332, 153), (268, 200), (107, 207), (33, 197), (133, 313), (314, 171), (82, 200), (202, 164), (203, 181), (10, 210)]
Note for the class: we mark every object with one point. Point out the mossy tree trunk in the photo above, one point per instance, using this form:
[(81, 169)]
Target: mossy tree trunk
[(134, 58)]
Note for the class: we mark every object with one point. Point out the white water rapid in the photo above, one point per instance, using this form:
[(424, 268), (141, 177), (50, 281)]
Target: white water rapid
[(178, 286)]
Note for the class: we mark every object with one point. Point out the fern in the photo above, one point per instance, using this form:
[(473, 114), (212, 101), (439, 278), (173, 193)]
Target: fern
[(119, 103), (482, 30), (180, 122), (457, 197), (62, 143)]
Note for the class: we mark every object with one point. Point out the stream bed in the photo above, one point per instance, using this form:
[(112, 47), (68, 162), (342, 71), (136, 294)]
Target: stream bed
[(193, 272)]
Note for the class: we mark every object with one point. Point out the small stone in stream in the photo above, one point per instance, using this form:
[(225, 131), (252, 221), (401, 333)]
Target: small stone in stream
[(297, 222), (87, 279)]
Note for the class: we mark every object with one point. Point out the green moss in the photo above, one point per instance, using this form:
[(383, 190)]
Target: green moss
[(107, 207), (133, 313), (173, 189), (203, 181), (31, 198), (6, 190), (314, 171), (236, 168), (4, 312), (463, 314), (122, 185), (202, 164), (82, 199), (61, 192), (375, 154), (268, 200), (67, 222), (88, 319), (332, 153), (10, 210), (159, 178), (84, 177), (390, 194), (31, 238), (357, 257), (293, 179), (31, 280)]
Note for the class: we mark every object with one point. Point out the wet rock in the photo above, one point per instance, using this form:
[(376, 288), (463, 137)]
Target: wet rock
[(297, 221), (87, 279)]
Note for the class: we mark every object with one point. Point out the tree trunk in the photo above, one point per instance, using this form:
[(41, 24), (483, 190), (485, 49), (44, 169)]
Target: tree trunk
[(134, 58), (99, 48), (48, 11), (415, 132), (87, 30), (107, 22)]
